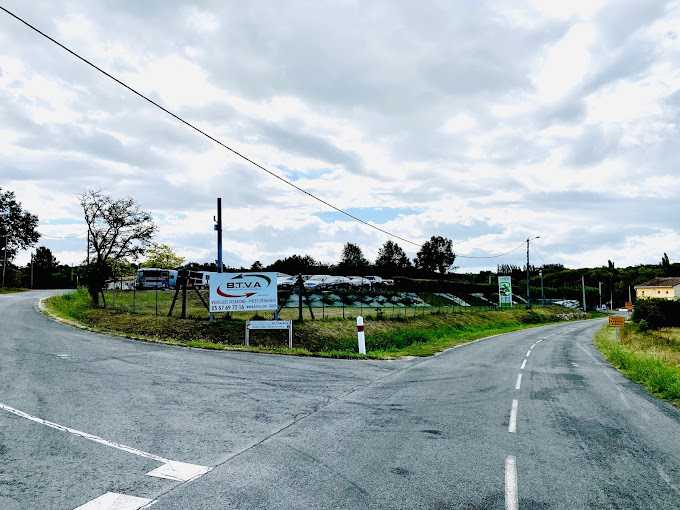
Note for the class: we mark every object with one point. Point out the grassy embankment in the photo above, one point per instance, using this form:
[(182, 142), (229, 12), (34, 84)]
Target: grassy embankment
[(415, 333), (11, 290), (650, 358)]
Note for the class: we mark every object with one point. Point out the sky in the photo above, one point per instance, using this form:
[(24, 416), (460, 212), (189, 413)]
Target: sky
[(485, 122)]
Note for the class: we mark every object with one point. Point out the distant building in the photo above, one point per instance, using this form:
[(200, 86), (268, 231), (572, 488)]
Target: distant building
[(660, 288)]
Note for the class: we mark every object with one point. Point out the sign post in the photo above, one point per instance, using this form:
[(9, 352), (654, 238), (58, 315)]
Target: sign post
[(617, 322), (270, 325)]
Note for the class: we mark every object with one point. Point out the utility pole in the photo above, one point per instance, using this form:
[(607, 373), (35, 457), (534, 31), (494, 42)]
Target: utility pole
[(218, 227), (4, 260), (599, 289), (542, 296), (583, 286), (528, 298)]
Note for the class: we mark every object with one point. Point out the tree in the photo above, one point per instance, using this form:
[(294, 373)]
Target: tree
[(392, 256), (117, 230), (435, 255), (257, 266), (162, 256), (44, 266), (17, 227), (353, 258)]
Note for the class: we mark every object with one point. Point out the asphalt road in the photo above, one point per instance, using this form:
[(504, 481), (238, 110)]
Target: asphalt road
[(532, 419)]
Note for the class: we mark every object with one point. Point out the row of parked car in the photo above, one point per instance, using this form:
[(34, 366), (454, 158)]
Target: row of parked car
[(328, 282)]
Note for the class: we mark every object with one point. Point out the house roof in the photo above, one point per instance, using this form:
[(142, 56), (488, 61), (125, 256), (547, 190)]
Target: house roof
[(660, 282)]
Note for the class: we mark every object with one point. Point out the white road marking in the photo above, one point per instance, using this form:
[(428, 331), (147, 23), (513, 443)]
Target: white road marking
[(511, 494), (179, 471), (532, 346), (114, 501), (528, 352), (524, 364), (171, 469), (539, 341), (519, 381), (513, 416), (588, 353)]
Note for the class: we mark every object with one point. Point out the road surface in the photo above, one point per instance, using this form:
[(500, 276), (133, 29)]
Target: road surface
[(534, 419)]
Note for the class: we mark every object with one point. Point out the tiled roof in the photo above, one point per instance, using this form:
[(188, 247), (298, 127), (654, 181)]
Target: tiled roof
[(660, 282)]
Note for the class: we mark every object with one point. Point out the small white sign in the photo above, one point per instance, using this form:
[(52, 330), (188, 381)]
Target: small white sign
[(270, 324), (233, 292)]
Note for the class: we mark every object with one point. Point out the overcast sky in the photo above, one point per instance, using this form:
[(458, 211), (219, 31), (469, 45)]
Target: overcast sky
[(485, 122)]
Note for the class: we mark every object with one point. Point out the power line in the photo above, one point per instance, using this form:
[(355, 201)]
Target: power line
[(177, 117), (252, 162), (490, 256), (66, 237)]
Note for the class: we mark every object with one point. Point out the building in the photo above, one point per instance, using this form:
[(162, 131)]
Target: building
[(661, 288)]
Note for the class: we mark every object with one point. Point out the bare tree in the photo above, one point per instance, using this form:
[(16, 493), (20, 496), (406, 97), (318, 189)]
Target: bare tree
[(117, 230)]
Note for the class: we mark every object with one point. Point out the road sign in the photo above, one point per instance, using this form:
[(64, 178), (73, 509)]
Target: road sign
[(629, 307), (617, 322), (270, 325)]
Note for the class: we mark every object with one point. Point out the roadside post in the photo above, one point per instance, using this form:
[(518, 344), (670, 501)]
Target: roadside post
[(360, 334), (616, 322)]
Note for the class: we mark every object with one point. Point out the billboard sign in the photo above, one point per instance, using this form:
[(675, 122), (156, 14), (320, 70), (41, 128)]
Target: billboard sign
[(233, 292), (505, 291)]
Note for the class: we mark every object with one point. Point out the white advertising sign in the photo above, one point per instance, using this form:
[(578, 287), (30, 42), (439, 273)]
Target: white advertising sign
[(233, 292), (505, 291)]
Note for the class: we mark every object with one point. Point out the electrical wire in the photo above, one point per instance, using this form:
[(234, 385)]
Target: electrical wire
[(242, 156), (67, 237), (177, 117), (490, 256)]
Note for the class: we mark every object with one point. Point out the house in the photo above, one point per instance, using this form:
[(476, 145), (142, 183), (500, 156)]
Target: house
[(661, 288)]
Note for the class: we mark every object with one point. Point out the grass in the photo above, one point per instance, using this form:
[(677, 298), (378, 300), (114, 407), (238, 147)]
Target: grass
[(412, 331), (11, 290), (650, 358)]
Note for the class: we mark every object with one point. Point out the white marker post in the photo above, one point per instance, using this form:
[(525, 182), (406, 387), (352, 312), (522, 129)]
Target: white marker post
[(360, 334)]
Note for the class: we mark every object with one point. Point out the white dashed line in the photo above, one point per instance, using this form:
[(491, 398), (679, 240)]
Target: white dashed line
[(533, 346), (519, 381), (511, 495), (513, 416), (524, 364), (528, 353)]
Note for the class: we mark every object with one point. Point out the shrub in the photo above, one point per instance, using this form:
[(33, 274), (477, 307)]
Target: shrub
[(657, 313)]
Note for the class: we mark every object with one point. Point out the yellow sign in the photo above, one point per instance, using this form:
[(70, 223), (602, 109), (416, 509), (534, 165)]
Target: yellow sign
[(629, 307), (617, 322)]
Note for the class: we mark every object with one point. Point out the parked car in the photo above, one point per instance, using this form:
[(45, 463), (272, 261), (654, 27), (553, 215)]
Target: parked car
[(336, 282), (285, 282), (388, 282), (376, 281), (316, 281), (359, 282)]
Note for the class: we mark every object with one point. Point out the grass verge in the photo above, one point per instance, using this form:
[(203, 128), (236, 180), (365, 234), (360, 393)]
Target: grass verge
[(650, 358), (386, 337)]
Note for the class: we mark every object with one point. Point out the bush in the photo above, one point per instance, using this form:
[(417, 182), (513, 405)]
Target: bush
[(657, 313)]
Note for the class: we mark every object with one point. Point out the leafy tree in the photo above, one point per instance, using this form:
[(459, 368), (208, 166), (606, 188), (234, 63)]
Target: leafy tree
[(44, 266), (353, 258), (162, 257), (392, 256), (295, 264), (117, 230), (17, 227), (257, 266), (435, 255)]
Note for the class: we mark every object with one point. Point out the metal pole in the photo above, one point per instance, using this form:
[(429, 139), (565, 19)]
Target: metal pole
[(219, 235), (542, 296), (4, 261), (528, 298), (583, 285)]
